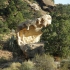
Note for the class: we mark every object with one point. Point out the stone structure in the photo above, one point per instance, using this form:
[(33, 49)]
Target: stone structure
[(29, 33), (35, 6), (48, 2), (45, 3)]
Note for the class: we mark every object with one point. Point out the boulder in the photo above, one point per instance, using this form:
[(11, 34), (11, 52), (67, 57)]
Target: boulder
[(28, 35), (48, 2), (34, 6), (46, 5), (33, 49)]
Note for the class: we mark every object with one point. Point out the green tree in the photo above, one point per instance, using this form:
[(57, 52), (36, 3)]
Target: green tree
[(57, 35), (3, 27), (14, 20), (14, 17)]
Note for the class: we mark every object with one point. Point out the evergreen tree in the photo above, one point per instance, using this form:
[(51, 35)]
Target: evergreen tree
[(57, 35)]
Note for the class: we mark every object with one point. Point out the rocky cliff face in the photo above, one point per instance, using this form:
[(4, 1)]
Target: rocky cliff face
[(44, 4), (29, 33), (41, 5), (48, 2)]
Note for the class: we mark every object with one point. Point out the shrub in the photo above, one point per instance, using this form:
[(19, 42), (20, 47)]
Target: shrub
[(27, 65), (12, 46), (13, 66), (65, 52), (44, 62), (0, 47), (65, 64)]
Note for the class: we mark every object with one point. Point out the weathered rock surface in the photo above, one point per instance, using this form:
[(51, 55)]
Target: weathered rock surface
[(45, 3), (42, 6), (29, 33), (32, 49), (48, 2)]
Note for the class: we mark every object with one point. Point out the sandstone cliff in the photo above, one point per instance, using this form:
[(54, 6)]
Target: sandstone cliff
[(29, 33), (41, 5)]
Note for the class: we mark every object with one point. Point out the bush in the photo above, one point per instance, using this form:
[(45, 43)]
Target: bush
[(13, 66), (65, 64), (3, 27), (65, 52), (44, 62), (27, 65), (12, 46)]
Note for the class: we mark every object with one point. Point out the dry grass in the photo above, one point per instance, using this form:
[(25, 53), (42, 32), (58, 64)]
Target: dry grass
[(5, 55)]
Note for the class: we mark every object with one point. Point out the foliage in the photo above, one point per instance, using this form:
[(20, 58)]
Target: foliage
[(13, 66), (16, 12), (44, 62), (65, 64), (3, 3), (3, 27), (3, 60), (39, 62), (12, 46), (53, 0), (57, 35), (27, 65)]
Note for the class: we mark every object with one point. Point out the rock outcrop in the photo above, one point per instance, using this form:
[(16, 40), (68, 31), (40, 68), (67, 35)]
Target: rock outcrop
[(44, 4), (29, 33), (33, 5), (48, 2)]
